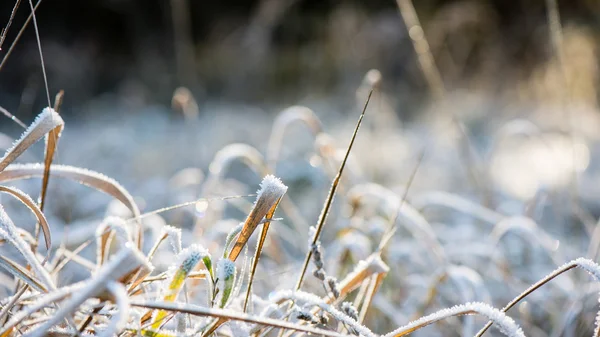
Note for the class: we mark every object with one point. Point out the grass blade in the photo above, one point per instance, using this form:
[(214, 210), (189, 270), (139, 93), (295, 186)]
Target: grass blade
[(44, 123), (270, 184), (265, 203), (85, 177), (332, 190), (587, 265), (41, 219), (22, 273), (230, 315)]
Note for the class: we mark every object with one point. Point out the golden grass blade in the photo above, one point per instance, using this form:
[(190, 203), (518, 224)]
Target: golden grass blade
[(374, 285), (269, 185), (332, 190), (41, 219), (268, 197), (22, 273), (271, 192), (372, 266), (230, 315), (51, 144), (44, 123), (85, 177)]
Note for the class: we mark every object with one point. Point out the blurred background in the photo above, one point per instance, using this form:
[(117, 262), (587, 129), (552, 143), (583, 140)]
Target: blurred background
[(491, 107), (281, 51)]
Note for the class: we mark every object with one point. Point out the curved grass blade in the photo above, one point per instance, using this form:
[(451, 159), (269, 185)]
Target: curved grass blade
[(588, 265), (505, 324), (85, 177), (41, 219), (284, 119), (9, 231)]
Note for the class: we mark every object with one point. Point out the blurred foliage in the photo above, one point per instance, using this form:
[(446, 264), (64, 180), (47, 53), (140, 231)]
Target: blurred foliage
[(277, 50)]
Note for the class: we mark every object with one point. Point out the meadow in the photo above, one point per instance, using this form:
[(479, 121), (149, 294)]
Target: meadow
[(475, 216)]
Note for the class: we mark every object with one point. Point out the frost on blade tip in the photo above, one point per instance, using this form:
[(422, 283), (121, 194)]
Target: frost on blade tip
[(589, 266), (271, 185), (174, 237), (502, 322), (48, 118), (190, 256), (226, 276), (225, 269)]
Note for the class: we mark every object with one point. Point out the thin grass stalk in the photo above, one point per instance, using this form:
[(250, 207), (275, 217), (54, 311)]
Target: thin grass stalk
[(18, 37), (374, 285), (13, 117), (585, 264), (230, 315), (10, 20), (39, 43), (330, 196)]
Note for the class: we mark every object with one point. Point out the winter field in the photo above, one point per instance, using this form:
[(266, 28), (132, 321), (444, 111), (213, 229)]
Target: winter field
[(345, 213)]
